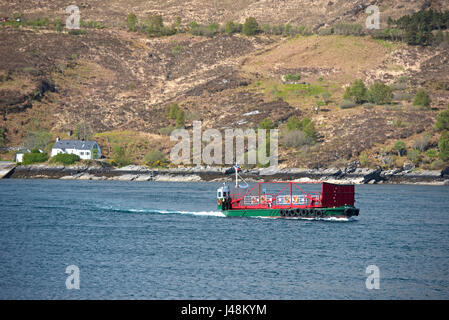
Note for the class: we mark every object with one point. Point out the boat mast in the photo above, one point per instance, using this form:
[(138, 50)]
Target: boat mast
[(236, 176)]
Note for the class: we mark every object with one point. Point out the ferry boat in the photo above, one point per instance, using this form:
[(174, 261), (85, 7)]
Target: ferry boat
[(287, 199)]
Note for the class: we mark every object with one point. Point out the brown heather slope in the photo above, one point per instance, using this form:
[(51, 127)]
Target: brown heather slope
[(123, 82)]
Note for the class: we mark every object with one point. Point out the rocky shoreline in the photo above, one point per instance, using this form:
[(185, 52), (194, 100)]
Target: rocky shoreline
[(352, 175)]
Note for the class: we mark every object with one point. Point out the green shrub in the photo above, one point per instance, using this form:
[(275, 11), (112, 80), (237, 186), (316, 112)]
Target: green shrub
[(399, 146), (94, 153), (177, 24), (266, 28), (308, 127), (77, 32), (214, 28), (193, 25), (292, 77), (34, 157), (380, 93), (364, 160), (154, 25), (230, 27), (422, 98), (122, 156), (438, 164), (320, 104), (65, 158), (131, 22), (173, 111), (92, 24), (431, 153), (180, 119), (266, 124), (348, 29), (2, 137), (200, 30), (176, 50), (288, 30), (58, 25), (39, 22), (443, 145), (413, 155), (285, 30), (153, 156), (357, 92), (250, 27), (443, 120), (293, 123)]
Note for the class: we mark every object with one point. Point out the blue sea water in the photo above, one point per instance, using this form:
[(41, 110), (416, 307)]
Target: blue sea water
[(161, 240)]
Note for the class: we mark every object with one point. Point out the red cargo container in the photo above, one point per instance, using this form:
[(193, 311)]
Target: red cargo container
[(337, 195)]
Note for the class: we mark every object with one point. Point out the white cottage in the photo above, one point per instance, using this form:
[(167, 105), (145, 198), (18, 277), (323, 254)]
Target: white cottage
[(79, 147)]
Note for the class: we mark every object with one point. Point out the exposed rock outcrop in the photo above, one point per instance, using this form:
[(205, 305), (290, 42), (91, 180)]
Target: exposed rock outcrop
[(139, 173)]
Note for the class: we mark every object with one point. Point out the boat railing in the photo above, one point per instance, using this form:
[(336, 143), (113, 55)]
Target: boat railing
[(293, 195)]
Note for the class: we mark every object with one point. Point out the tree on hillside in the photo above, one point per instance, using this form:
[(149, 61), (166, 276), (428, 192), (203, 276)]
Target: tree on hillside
[(250, 27), (443, 145), (417, 28), (94, 153), (154, 25), (173, 110), (131, 22), (308, 127), (177, 23), (122, 156), (180, 119), (230, 27), (422, 98), (37, 139), (293, 123), (83, 130), (380, 93), (357, 92), (443, 120), (2, 137), (399, 146)]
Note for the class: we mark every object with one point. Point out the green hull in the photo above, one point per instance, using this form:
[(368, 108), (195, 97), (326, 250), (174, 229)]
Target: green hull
[(340, 212)]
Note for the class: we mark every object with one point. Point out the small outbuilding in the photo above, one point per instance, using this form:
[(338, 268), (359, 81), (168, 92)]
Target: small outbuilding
[(19, 155)]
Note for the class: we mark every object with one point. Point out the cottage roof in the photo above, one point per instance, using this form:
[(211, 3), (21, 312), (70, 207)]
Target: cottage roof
[(75, 144)]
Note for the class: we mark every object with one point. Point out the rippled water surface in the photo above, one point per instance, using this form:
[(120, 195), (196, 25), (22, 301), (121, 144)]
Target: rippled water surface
[(159, 240)]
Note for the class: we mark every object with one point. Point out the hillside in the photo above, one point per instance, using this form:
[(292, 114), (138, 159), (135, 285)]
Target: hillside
[(121, 83)]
